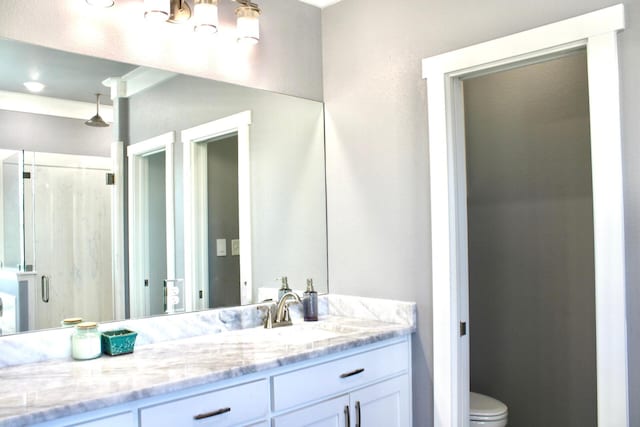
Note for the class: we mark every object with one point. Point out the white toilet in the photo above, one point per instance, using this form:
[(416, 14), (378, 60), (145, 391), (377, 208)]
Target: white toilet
[(486, 411)]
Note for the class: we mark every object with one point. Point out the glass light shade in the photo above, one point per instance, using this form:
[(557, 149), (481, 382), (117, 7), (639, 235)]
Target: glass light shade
[(248, 24), (100, 3), (205, 14), (34, 86), (157, 10)]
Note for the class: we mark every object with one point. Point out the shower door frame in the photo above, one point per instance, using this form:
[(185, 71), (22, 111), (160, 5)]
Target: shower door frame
[(597, 32)]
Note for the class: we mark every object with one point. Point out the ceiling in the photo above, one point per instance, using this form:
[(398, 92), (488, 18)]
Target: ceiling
[(22, 62)]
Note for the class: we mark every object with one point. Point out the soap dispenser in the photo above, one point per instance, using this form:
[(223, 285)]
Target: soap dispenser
[(310, 303), (284, 288)]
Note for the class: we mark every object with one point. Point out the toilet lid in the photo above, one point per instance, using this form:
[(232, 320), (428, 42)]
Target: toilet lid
[(485, 407)]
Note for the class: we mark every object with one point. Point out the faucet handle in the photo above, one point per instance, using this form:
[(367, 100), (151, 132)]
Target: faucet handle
[(268, 320)]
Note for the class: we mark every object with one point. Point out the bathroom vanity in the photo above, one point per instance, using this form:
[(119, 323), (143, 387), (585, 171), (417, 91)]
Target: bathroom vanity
[(351, 368)]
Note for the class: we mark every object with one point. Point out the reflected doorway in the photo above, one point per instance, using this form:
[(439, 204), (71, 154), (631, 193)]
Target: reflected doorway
[(153, 289), (223, 221)]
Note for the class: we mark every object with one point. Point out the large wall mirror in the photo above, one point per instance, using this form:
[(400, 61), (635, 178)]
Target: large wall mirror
[(211, 218)]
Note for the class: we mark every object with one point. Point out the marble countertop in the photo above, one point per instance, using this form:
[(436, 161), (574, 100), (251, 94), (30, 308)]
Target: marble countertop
[(38, 392)]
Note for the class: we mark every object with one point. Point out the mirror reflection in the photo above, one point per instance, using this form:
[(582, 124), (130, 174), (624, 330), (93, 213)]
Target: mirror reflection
[(212, 220)]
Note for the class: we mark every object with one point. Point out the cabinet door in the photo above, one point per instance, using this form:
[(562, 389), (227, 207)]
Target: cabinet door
[(330, 413), (386, 404)]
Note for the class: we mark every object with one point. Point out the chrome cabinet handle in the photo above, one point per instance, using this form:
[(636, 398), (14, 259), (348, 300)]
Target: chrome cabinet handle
[(352, 373), (44, 287), (211, 414), (358, 421), (1, 308), (347, 416)]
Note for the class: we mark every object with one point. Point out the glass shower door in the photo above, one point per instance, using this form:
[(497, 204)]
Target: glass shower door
[(71, 244)]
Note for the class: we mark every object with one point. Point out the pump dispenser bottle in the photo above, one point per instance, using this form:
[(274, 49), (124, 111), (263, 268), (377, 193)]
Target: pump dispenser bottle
[(310, 303), (284, 288)]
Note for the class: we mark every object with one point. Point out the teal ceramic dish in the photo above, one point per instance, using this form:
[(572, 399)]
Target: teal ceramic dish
[(120, 341)]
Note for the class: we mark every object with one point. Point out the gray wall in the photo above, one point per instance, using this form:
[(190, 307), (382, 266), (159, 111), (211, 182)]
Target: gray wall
[(157, 223), (49, 134), (377, 148), (287, 59), (530, 218), (222, 188)]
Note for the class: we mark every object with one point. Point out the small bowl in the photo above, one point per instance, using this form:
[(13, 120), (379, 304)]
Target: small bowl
[(117, 342)]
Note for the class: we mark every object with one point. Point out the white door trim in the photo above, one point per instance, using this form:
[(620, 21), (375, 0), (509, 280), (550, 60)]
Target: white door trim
[(597, 31), (138, 214), (195, 218)]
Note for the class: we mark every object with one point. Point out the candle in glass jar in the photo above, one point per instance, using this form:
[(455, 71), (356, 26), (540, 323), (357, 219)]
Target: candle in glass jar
[(85, 341)]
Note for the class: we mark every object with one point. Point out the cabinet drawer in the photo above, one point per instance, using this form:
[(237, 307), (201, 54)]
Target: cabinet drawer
[(225, 407), (121, 420), (331, 378)]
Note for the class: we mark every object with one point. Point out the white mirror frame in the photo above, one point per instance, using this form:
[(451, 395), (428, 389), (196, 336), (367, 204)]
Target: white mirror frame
[(195, 218), (138, 212), (597, 31)]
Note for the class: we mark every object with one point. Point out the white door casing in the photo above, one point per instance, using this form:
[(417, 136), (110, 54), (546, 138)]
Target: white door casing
[(597, 31), (138, 214), (195, 199)]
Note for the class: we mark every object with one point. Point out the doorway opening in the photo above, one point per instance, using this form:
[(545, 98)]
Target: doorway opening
[(531, 300)]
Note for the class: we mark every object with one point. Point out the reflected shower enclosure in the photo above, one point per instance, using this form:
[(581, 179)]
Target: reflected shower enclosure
[(56, 209)]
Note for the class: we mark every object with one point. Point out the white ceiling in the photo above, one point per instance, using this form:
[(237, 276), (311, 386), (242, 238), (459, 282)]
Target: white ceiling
[(320, 3)]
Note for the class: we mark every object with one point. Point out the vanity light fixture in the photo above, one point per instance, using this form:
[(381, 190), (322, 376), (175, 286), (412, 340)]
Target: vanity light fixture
[(205, 16), (96, 121)]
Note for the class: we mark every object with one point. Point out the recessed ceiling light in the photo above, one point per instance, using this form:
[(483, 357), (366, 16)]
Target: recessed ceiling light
[(34, 86)]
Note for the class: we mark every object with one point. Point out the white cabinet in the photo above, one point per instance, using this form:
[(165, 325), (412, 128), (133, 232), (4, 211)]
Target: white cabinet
[(330, 413), (385, 404), (365, 387), (370, 389)]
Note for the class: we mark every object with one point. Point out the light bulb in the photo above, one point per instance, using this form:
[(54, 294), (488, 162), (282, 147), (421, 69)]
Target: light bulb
[(205, 14), (248, 24), (157, 10)]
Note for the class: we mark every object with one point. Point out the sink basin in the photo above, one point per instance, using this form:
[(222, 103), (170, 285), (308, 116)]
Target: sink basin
[(296, 334)]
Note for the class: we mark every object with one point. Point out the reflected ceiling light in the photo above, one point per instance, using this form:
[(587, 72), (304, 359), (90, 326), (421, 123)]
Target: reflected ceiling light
[(96, 121), (205, 16), (34, 86), (248, 22), (100, 3), (205, 13)]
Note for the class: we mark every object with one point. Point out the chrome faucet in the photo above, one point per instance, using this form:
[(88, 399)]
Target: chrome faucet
[(283, 318)]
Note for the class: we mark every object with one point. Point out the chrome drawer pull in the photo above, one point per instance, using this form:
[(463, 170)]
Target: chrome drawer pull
[(347, 416), (211, 414), (352, 373)]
